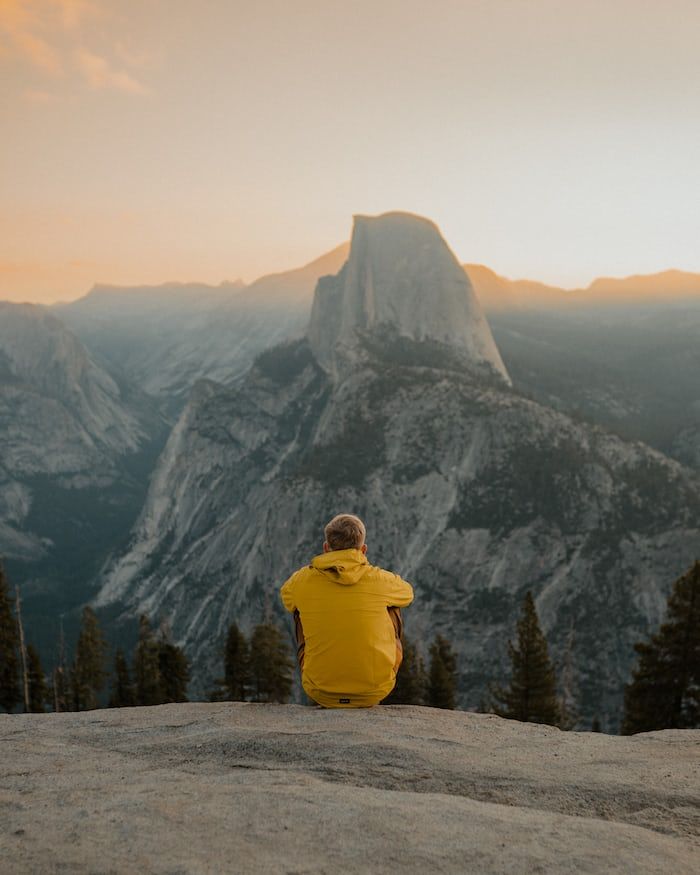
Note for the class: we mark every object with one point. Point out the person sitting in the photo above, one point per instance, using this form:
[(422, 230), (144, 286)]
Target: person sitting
[(348, 620)]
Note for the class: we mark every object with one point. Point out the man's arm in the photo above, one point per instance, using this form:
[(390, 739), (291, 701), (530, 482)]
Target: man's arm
[(398, 592), (287, 594)]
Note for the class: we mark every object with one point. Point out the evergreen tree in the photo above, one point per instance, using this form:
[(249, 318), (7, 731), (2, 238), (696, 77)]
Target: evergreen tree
[(532, 695), (88, 673), (270, 665), (146, 663), (23, 661), (38, 690), (10, 693), (665, 688), (595, 726), (59, 691), (411, 679), (174, 669), (442, 678), (123, 693), (236, 664), (568, 707)]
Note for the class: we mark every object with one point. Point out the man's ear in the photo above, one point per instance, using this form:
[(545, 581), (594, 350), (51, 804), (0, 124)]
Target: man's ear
[(326, 547), (364, 548)]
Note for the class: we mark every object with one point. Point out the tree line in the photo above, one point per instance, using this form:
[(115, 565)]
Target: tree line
[(664, 691), (262, 670), (159, 670)]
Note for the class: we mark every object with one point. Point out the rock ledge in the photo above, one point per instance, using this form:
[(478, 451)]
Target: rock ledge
[(282, 788)]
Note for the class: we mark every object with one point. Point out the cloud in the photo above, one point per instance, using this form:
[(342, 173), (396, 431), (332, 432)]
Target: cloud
[(99, 73), (53, 37), (73, 12), (20, 21)]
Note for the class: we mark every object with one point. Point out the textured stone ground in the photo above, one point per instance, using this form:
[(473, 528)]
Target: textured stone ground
[(226, 787)]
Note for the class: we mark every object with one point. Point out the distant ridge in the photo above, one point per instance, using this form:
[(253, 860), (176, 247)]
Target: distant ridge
[(498, 293), (667, 284), (289, 286), (167, 337), (297, 286), (494, 291)]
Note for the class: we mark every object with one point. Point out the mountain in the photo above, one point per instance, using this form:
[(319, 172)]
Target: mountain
[(470, 490), (167, 337), (667, 288), (73, 443), (623, 353), (496, 293), (687, 445), (400, 277), (632, 369)]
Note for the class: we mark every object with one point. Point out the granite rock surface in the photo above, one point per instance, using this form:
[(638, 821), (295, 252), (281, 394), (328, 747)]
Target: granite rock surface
[(209, 788)]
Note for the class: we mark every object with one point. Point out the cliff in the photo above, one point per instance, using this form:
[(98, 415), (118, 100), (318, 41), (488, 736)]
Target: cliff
[(278, 788), (400, 275)]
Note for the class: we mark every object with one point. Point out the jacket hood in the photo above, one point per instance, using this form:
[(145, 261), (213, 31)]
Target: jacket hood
[(342, 566)]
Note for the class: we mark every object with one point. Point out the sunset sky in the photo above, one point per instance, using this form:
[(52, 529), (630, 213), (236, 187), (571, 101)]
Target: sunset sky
[(151, 140)]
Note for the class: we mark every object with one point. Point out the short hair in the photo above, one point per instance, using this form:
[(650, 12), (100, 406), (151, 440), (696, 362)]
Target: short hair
[(345, 531)]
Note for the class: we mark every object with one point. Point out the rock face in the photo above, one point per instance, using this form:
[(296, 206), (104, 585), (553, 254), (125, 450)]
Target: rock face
[(400, 276), (687, 445), (167, 337), (61, 415), (71, 440), (44, 367), (275, 788), (472, 492)]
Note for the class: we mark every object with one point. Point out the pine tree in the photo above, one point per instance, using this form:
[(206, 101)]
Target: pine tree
[(38, 690), (411, 679), (146, 663), (236, 664), (270, 665), (59, 691), (568, 708), (123, 693), (532, 695), (442, 678), (88, 674), (10, 694), (23, 661), (174, 668), (665, 688)]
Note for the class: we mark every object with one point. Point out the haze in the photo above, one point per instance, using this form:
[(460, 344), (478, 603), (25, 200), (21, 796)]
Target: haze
[(151, 140)]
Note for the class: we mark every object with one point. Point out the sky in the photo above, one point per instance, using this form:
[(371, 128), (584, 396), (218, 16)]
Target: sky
[(145, 141)]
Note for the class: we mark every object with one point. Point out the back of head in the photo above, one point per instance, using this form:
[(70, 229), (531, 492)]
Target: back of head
[(345, 532)]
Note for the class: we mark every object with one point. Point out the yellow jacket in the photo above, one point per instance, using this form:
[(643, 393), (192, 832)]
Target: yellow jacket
[(350, 639)]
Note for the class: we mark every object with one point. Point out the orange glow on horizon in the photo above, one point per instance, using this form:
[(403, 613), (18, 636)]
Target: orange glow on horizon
[(150, 142)]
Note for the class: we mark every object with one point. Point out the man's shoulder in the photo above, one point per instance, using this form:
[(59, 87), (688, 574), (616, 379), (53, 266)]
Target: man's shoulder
[(299, 574), (384, 575)]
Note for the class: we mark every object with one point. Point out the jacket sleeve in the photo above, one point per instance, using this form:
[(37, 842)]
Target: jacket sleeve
[(399, 593), (287, 594)]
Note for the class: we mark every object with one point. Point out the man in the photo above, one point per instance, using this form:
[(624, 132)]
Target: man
[(348, 620)]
